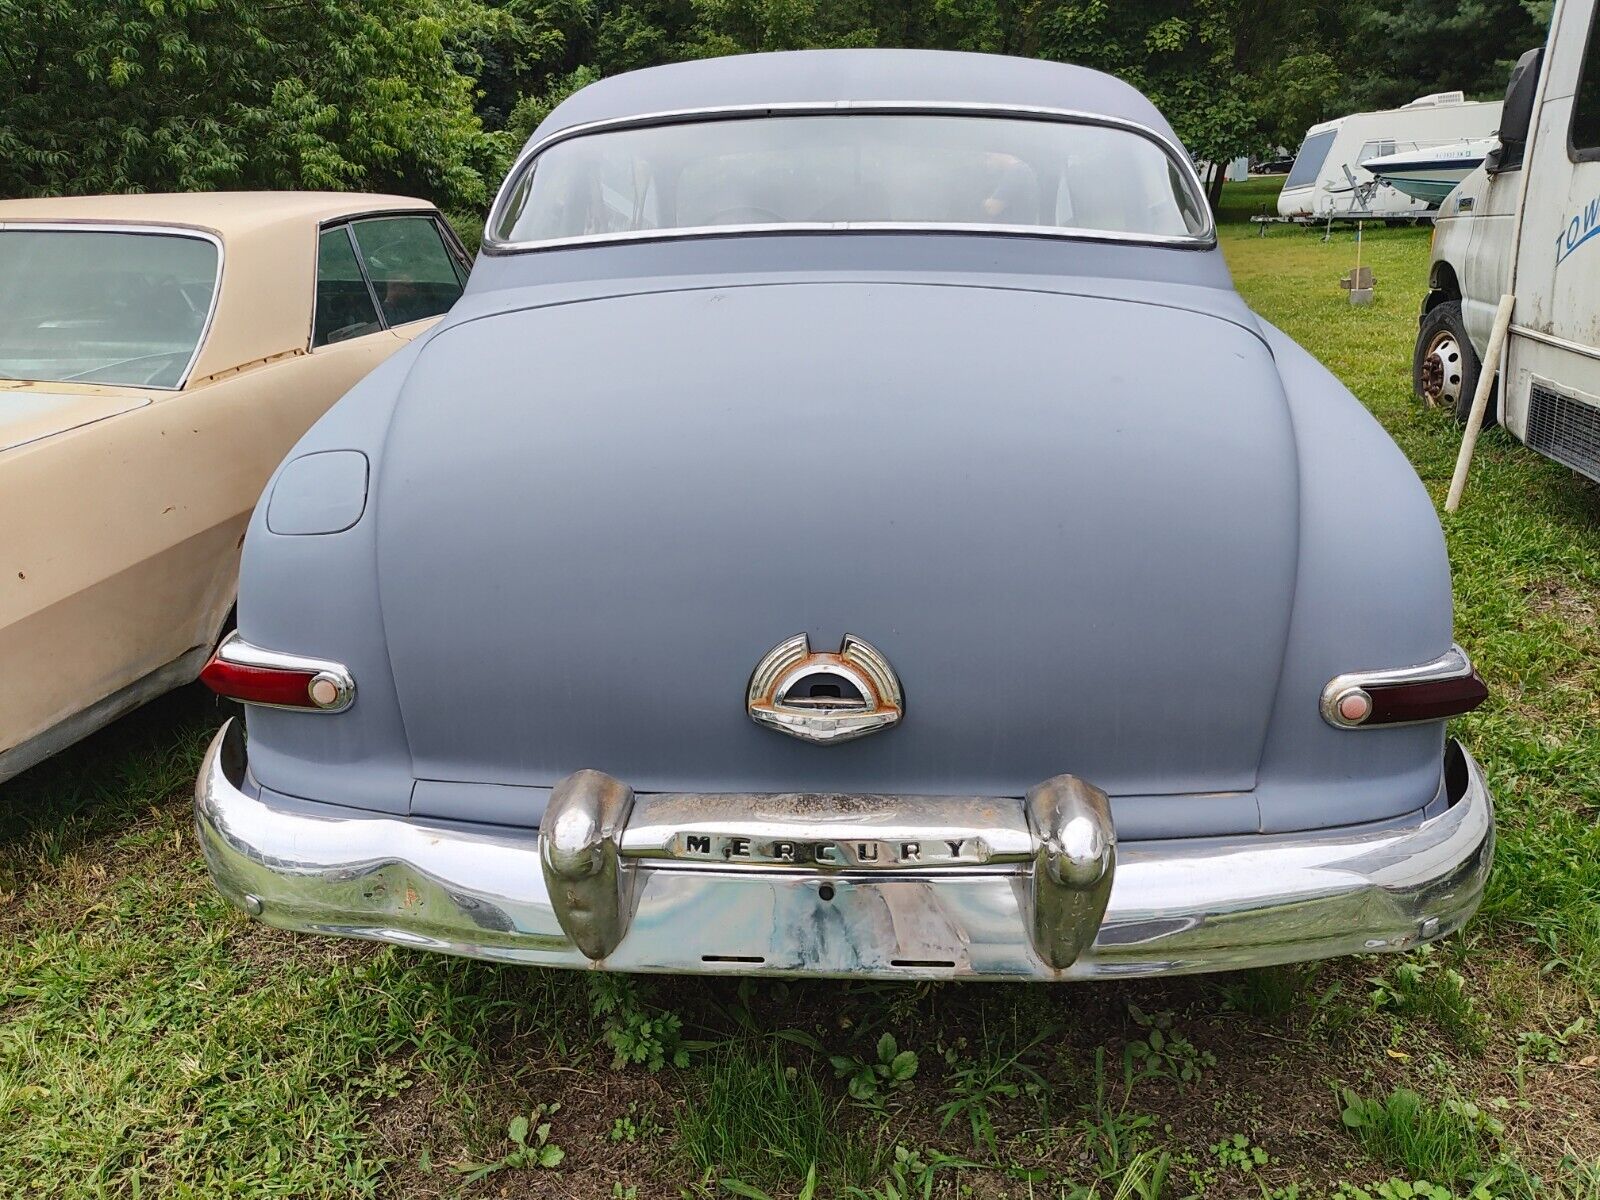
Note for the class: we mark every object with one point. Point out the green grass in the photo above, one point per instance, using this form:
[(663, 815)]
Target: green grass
[(154, 1042), (1525, 550), (1449, 1141), (1252, 198), (760, 1116)]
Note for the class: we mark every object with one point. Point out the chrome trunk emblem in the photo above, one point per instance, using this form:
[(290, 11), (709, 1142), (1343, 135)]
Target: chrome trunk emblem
[(825, 697)]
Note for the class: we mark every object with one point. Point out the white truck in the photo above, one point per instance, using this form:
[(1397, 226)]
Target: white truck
[(1527, 223)]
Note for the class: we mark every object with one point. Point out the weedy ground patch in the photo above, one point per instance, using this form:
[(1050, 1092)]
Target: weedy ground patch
[(153, 1042)]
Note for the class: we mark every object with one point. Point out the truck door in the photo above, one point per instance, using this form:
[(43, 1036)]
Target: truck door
[(1488, 258), (1552, 397)]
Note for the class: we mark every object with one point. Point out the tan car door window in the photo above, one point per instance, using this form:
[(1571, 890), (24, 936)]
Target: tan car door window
[(345, 305), (413, 274)]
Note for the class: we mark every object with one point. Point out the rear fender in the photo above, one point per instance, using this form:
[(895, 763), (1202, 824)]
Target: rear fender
[(1372, 590)]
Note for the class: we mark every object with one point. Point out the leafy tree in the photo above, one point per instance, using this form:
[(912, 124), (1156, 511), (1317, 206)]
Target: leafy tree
[(1401, 49), (433, 96), (115, 95), (1207, 65)]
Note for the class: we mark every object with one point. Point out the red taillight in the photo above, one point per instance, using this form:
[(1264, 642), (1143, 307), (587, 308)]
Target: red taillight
[(1431, 701), (252, 675), (1433, 691)]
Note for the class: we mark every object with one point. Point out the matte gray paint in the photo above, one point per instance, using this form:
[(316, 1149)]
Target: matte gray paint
[(979, 508), (1011, 420), (1381, 573), (321, 593), (826, 76), (1137, 818), (1197, 279), (319, 493)]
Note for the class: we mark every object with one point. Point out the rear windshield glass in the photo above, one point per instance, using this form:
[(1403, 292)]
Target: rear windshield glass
[(837, 171), (1309, 161), (85, 306)]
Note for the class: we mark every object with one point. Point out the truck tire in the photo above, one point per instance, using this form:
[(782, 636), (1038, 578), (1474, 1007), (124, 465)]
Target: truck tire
[(1445, 367)]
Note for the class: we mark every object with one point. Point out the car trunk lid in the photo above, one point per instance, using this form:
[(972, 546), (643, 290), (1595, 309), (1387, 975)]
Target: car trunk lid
[(1068, 522)]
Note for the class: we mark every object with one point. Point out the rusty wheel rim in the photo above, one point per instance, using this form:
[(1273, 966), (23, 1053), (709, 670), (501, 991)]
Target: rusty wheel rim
[(1441, 371)]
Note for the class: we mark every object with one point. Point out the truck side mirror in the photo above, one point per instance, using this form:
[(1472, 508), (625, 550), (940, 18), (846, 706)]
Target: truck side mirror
[(1516, 114)]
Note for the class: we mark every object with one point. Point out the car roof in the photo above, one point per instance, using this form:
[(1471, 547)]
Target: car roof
[(830, 76), (222, 213), (269, 258)]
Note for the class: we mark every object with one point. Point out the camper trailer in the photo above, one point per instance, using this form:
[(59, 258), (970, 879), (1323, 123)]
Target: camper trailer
[(1328, 180), (1527, 223)]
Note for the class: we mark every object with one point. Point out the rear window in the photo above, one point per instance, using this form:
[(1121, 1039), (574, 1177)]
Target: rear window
[(852, 170), (1308, 163), (92, 306)]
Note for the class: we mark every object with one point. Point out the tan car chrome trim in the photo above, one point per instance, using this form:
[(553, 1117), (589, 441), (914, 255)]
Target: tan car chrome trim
[(149, 230), (1204, 240), (1176, 906)]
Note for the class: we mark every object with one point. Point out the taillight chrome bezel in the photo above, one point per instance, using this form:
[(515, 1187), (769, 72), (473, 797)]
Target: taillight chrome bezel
[(314, 674), (1451, 686)]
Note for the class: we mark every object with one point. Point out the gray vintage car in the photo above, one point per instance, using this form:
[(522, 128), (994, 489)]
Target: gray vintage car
[(850, 525)]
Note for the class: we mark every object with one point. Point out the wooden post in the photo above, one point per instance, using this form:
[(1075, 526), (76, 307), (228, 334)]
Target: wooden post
[(1487, 371)]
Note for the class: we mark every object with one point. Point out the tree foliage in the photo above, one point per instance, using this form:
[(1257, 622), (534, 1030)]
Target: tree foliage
[(118, 95), (1420, 46), (432, 97)]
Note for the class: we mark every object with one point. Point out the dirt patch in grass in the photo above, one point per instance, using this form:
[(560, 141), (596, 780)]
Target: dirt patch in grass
[(430, 1137), (1572, 604), (1270, 1078)]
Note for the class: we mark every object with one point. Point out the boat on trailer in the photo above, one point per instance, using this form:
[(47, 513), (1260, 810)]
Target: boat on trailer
[(1430, 173), (1329, 180)]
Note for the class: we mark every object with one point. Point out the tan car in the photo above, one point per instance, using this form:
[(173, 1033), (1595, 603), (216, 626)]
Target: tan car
[(159, 355)]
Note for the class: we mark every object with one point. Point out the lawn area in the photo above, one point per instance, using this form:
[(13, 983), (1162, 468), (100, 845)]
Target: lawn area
[(154, 1042)]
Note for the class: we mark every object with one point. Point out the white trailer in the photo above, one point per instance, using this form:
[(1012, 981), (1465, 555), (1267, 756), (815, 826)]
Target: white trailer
[(1328, 180), (1527, 223)]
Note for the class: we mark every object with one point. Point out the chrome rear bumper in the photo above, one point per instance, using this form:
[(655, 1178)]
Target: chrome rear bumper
[(634, 889)]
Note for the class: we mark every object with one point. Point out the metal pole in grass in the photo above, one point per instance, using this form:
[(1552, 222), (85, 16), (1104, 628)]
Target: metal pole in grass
[(1480, 401)]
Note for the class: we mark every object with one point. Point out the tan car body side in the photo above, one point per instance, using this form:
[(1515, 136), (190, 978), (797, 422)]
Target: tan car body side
[(123, 509)]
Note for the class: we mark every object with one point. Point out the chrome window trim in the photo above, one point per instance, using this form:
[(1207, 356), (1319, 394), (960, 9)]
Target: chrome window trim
[(240, 653), (147, 229), (1204, 240), (453, 245), (349, 228), (1452, 664)]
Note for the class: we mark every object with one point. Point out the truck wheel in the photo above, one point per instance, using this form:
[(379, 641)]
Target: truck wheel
[(1444, 367)]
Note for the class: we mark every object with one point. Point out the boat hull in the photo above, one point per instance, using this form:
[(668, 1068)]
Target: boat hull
[(1428, 176)]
